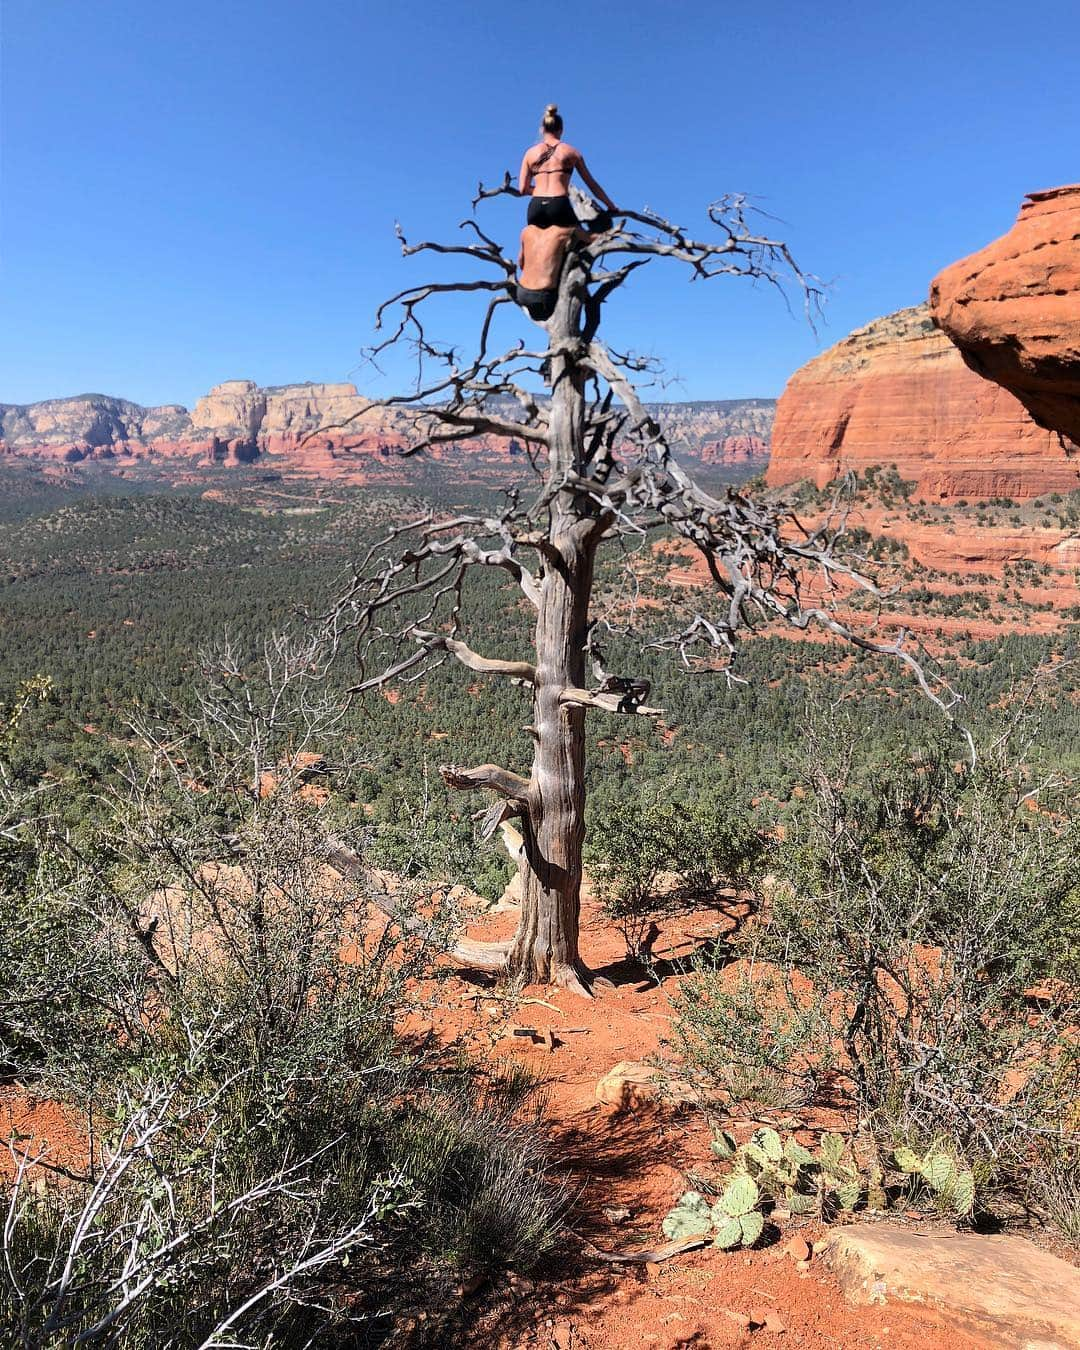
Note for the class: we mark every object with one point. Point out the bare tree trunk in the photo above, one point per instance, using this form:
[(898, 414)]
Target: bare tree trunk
[(546, 944)]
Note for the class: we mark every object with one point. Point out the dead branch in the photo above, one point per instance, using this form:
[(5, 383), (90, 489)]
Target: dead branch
[(611, 702), (489, 776)]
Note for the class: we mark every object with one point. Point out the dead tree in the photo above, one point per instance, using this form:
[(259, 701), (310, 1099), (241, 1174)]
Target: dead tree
[(604, 471)]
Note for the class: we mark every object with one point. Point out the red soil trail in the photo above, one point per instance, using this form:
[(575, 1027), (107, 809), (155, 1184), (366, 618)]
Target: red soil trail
[(637, 1160)]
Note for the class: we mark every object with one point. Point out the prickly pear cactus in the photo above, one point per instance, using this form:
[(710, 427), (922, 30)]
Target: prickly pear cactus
[(723, 1145), (939, 1171), (739, 1197), (796, 1154), (739, 1223), (765, 1147), (962, 1196), (689, 1217), (831, 1148), (954, 1186), (907, 1160), (741, 1232), (781, 1171)]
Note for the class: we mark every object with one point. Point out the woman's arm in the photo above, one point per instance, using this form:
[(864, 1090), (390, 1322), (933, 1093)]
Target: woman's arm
[(593, 186), (525, 178)]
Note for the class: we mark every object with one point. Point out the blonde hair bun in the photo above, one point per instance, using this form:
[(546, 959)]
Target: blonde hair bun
[(551, 121)]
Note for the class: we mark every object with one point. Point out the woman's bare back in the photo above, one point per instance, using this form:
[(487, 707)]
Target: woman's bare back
[(549, 167)]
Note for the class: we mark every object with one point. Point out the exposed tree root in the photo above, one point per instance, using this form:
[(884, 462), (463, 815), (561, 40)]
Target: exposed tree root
[(491, 956), (532, 967), (578, 979)]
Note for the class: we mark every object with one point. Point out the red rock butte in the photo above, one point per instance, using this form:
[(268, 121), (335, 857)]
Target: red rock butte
[(1013, 309), (323, 431), (898, 392)]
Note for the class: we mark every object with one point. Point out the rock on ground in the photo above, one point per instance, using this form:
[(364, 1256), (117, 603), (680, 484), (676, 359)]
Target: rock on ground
[(1005, 1288), (631, 1084)]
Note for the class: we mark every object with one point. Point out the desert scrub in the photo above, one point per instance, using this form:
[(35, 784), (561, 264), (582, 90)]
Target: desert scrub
[(1057, 1188), (628, 854), (749, 1033), (918, 952), (656, 854), (281, 1152), (270, 1156)]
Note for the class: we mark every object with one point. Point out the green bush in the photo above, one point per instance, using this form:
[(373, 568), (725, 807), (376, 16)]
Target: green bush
[(919, 953), (705, 846), (748, 1035), (628, 851), (270, 1136)]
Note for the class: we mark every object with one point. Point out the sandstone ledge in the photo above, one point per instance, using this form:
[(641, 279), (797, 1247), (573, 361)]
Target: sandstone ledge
[(1013, 309), (1004, 1288)]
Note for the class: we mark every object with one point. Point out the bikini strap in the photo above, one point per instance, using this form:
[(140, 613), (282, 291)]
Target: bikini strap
[(546, 156)]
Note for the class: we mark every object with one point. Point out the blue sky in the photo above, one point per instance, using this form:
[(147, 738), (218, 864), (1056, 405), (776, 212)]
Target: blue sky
[(203, 191)]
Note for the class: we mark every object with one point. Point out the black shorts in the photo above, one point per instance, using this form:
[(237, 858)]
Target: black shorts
[(540, 304), (545, 211)]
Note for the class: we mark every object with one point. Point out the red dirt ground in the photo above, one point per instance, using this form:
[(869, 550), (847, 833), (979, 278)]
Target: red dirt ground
[(637, 1160), (51, 1128)]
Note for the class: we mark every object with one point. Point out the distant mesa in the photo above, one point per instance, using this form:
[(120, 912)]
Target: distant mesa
[(319, 430), (898, 392), (1013, 309), (734, 451)]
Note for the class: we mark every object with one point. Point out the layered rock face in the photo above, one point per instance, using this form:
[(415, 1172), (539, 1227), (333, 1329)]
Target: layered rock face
[(1013, 309), (898, 392), (734, 452), (320, 430), (92, 422), (316, 429), (717, 419), (235, 422)]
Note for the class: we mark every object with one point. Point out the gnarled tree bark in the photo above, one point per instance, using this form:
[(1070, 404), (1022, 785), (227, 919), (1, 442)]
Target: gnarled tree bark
[(546, 946)]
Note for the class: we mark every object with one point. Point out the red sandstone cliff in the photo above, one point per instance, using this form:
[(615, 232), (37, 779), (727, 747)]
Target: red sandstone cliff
[(1013, 309), (898, 392)]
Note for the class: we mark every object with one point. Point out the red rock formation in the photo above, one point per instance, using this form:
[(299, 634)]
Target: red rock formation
[(898, 392), (324, 431), (736, 452), (1013, 309)]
